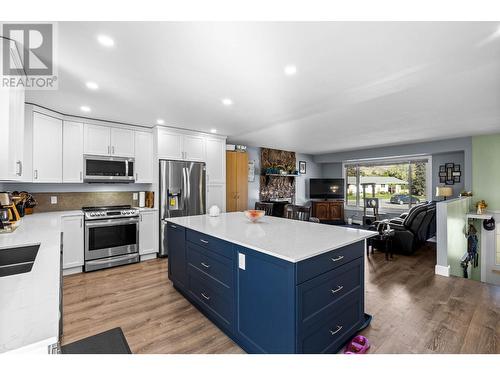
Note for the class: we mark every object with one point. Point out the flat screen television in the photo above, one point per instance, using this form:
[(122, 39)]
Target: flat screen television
[(326, 188)]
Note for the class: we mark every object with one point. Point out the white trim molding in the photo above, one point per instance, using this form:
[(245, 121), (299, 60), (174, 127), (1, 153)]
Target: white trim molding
[(442, 270)]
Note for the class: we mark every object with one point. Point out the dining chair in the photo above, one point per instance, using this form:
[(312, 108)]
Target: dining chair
[(294, 212), (267, 207)]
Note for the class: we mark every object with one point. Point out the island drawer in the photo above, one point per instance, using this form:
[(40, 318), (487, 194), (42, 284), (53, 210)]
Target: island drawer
[(215, 301), (214, 265), (316, 296), (310, 268), (211, 243), (329, 336)]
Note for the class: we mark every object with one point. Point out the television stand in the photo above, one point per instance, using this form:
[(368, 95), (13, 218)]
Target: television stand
[(328, 210)]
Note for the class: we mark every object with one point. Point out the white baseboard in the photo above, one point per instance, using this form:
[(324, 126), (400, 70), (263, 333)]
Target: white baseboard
[(71, 271), (442, 270), (148, 256)]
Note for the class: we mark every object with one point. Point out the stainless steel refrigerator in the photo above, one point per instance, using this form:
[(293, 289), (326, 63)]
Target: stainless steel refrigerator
[(182, 193)]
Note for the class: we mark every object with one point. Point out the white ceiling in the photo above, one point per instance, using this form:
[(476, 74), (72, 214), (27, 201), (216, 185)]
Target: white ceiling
[(358, 84)]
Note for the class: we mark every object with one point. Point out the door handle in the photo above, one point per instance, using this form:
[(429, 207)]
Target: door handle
[(113, 150), (81, 175), (204, 241), (340, 257), (109, 149), (338, 289), (136, 176), (173, 226), (205, 265), (333, 332), (36, 174)]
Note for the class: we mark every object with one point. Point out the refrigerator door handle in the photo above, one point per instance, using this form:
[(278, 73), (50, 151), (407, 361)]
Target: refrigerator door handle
[(185, 190)]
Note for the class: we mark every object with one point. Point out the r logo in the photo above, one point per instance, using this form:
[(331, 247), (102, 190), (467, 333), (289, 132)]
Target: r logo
[(37, 54)]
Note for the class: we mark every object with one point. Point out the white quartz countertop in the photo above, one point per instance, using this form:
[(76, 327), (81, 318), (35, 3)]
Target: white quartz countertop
[(36, 228), (29, 302), (291, 240)]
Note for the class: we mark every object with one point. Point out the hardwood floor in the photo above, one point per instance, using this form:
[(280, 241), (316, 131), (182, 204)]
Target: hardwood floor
[(414, 311)]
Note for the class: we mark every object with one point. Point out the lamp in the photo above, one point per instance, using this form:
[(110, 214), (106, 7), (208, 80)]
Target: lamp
[(444, 191)]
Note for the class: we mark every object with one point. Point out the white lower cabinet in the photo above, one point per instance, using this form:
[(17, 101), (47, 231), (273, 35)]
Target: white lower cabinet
[(73, 241), (216, 196), (148, 232)]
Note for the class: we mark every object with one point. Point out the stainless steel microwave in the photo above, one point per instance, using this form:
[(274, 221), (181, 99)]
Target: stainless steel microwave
[(108, 169)]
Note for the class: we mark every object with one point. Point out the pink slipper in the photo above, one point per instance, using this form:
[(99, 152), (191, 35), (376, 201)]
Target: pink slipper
[(358, 345)]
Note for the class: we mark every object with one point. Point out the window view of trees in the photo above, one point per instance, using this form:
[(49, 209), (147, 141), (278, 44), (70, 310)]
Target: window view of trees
[(391, 183)]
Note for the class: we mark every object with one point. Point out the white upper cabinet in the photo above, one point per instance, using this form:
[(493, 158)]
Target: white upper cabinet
[(122, 142), (216, 160), (47, 148), (170, 144), (108, 141), (12, 124), (72, 151), (143, 157), (11, 134), (180, 145), (97, 140), (194, 147)]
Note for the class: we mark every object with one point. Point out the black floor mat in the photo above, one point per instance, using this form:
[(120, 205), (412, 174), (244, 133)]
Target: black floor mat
[(109, 342)]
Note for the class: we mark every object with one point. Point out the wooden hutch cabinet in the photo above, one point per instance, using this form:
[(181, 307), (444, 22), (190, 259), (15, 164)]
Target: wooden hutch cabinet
[(328, 210)]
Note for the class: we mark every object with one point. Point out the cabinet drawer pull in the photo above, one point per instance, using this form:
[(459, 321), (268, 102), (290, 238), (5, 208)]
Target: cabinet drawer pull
[(173, 226), (205, 265), (339, 288), (204, 241), (205, 296), (340, 257), (339, 328)]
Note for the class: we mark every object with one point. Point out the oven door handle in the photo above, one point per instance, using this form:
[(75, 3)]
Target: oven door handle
[(111, 222)]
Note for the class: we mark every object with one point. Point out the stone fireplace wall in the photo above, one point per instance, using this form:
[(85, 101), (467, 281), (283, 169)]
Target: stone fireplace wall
[(277, 187)]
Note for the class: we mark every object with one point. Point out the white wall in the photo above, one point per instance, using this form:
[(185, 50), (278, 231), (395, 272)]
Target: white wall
[(313, 170), (254, 186)]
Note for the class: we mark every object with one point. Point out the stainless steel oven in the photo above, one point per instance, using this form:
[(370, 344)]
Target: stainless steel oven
[(108, 169), (111, 236)]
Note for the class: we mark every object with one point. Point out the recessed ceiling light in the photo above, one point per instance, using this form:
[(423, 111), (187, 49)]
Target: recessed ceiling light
[(106, 41), (85, 108), (160, 121), (213, 131), (92, 85), (227, 102), (290, 70)]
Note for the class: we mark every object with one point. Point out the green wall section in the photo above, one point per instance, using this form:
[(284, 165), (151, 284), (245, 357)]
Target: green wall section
[(486, 170), (457, 242)]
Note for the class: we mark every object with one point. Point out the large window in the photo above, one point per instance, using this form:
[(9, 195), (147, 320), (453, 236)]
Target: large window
[(397, 184)]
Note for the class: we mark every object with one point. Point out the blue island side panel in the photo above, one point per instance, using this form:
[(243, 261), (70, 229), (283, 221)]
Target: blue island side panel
[(265, 306)]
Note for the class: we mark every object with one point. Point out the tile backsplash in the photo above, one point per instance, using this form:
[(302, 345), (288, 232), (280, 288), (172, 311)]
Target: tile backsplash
[(75, 201)]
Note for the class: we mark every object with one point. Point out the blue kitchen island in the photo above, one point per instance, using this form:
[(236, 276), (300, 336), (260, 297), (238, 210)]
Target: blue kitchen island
[(275, 286)]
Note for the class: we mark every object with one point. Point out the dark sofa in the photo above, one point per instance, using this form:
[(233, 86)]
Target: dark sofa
[(413, 229)]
